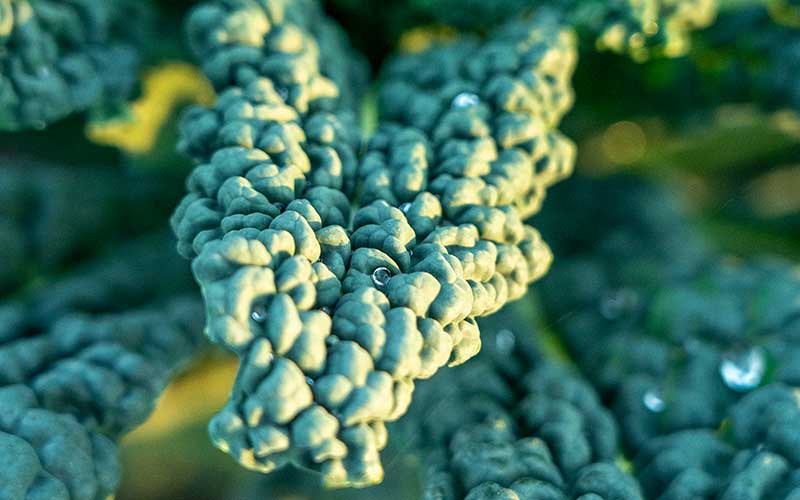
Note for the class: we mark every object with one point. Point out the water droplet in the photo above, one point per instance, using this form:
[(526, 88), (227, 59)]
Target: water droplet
[(309, 381), (259, 313), (405, 207), (465, 100), (331, 340), (743, 369), (505, 341), (327, 310), (615, 304), (381, 276), (653, 400)]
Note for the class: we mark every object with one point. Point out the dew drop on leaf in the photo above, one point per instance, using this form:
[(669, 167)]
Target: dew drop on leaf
[(259, 313), (653, 401), (743, 369), (381, 276), (465, 100)]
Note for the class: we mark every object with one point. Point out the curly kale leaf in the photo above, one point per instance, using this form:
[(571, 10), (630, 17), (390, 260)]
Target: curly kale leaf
[(82, 362), (59, 58), (756, 459), (638, 28), (757, 54), (336, 310), (511, 424), (48, 455), (692, 359), (683, 341)]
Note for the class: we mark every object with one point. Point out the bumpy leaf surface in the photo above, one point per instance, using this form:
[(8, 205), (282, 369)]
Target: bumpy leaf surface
[(335, 309), (511, 424), (47, 455), (759, 47), (81, 363), (757, 458), (61, 57), (639, 28), (693, 362)]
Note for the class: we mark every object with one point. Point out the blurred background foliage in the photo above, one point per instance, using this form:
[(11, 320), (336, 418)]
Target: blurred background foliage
[(719, 126)]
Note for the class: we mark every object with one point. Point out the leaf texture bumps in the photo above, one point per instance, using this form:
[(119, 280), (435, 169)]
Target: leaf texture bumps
[(755, 458), (638, 28), (699, 363), (341, 277), (643, 28), (769, 35), (59, 58), (77, 372), (510, 424)]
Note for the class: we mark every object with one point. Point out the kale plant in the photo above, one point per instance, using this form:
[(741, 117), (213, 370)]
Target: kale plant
[(360, 226)]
